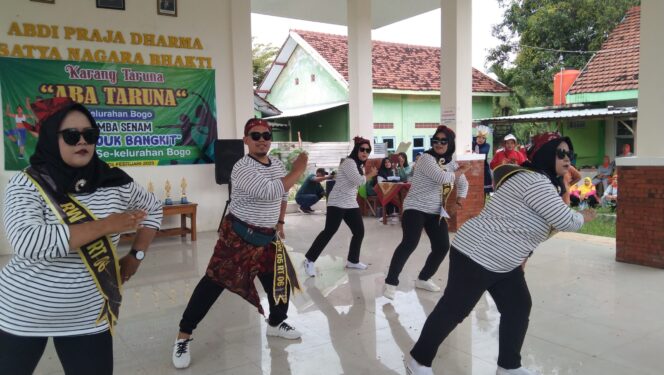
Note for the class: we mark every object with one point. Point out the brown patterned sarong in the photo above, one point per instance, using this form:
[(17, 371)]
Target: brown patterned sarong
[(235, 263)]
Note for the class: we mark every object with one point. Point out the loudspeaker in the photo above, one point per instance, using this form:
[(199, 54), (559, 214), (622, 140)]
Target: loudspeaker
[(226, 153)]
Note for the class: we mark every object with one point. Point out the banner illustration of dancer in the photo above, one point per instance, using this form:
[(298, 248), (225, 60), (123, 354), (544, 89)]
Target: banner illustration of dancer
[(19, 133)]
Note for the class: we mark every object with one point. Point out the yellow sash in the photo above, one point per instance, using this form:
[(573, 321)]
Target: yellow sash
[(285, 277), (99, 256)]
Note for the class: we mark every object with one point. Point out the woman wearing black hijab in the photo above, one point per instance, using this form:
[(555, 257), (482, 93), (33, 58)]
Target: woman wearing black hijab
[(63, 217), (491, 260), (342, 205), (436, 174)]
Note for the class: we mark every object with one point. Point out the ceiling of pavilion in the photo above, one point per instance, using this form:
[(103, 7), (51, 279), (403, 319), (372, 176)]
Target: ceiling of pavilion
[(384, 12)]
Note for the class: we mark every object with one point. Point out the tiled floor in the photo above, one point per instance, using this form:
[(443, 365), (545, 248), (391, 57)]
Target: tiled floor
[(591, 315)]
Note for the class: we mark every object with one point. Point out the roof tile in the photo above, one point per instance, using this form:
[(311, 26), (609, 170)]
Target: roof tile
[(615, 67), (395, 66)]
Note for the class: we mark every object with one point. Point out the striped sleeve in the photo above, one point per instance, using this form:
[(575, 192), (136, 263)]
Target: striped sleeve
[(541, 196), (256, 185), (461, 182), (349, 166), (141, 199), (27, 231), (432, 170)]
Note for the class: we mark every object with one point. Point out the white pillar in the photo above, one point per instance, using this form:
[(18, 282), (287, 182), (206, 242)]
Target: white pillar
[(456, 78), (243, 95), (360, 83), (651, 81)]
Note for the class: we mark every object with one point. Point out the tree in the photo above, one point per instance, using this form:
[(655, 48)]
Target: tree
[(262, 56), (544, 36)]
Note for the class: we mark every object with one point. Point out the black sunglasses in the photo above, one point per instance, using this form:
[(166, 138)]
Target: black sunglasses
[(442, 141), (365, 149), (71, 136), (562, 153), (256, 136)]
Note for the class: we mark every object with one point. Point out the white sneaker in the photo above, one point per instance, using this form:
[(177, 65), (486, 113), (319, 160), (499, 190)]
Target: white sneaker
[(516, 371), (284, 330), (309, 268), (182, 353), (357, 266), (414, 368), (427, 285), (389, 291)]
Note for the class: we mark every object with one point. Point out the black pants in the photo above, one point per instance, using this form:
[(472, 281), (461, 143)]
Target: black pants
[(466, 283), (412, 223), (353, 219), (575, 201), (79, 355), (207, 292)]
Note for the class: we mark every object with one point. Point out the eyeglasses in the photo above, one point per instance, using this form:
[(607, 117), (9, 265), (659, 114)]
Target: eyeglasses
[(256, 136), (365, 149), (71, 136), (442, 141), (562, 153)]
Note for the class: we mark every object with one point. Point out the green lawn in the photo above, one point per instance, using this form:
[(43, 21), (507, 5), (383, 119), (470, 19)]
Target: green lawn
[(604, 225)]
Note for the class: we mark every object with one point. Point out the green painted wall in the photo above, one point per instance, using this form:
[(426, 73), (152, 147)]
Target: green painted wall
[(593, 97), (323, 89), (588, 140), (404, 111)]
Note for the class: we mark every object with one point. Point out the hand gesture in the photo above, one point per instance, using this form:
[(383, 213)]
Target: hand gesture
[(280, 231), (300, 163), (128, 267), (463, 168), (125, 221), (588, 215)]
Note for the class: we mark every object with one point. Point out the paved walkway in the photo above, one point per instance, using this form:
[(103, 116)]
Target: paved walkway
[(591, 315)]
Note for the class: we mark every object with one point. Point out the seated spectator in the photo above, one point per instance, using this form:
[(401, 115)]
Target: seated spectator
[(626, 150), (509, 154), (584, 195), (414, 163), (311, 191), (405, 171), (610, 197), (604, 173), (386, 172)]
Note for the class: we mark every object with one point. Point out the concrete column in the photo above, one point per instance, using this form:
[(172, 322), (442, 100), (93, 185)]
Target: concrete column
[(640, 213), (651, 81), (243, 95), (456, 78), (360, 82)]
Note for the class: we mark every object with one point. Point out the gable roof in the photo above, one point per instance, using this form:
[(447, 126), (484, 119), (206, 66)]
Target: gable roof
[(615, 67), (394, 66)]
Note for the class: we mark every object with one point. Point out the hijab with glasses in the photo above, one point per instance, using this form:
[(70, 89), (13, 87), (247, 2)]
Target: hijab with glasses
[(451, 145), (543, 153), (47, 160), (359, 142)]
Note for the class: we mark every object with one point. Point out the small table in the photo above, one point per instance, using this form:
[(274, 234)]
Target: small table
[(391, 192), (184, 210)]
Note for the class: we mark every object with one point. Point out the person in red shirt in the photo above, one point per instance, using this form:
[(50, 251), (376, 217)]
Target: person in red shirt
[(509, 154)]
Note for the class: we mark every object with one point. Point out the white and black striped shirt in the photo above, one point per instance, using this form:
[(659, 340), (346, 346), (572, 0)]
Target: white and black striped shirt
[(257, 191), (347, 181), (45, 289), (520, 215), (425, 192)]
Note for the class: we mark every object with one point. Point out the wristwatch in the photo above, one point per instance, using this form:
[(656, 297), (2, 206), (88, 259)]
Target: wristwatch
[(138, 254)]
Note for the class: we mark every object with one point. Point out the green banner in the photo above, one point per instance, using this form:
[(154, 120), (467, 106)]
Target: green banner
[(148, 115)]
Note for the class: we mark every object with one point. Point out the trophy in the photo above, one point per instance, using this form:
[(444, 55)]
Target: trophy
[(167, 188), (150, 187), (183, 195)]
